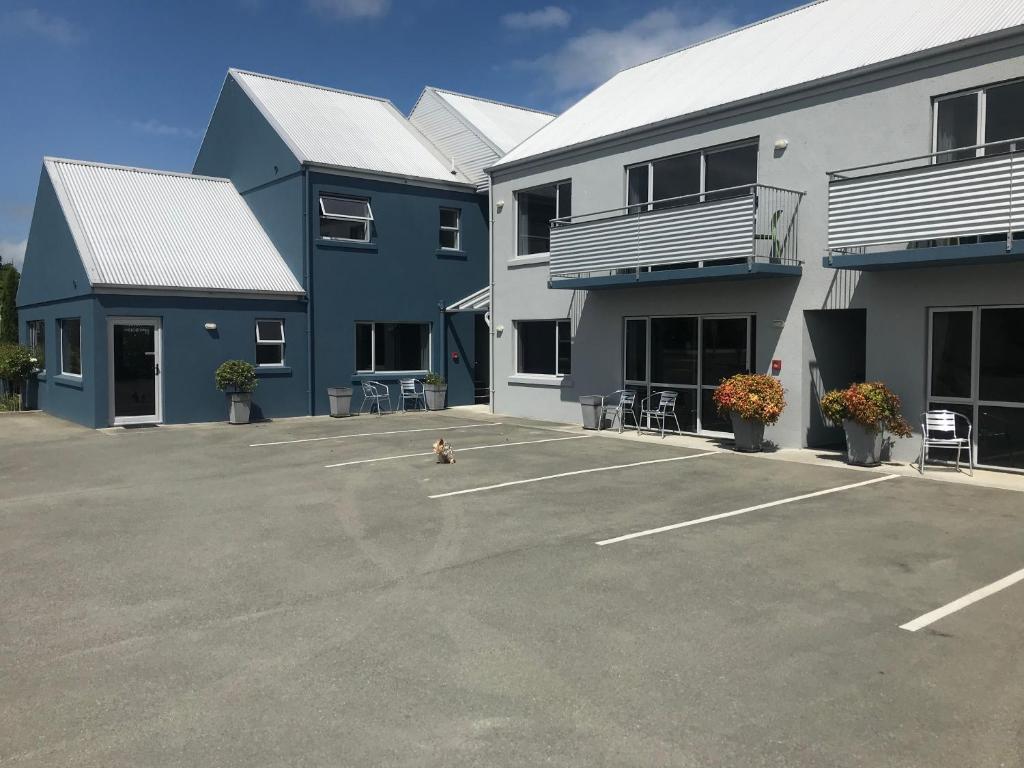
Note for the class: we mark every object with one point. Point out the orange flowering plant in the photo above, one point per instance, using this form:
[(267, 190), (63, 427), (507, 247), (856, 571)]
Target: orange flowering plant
[(751, 396), (870, 404)]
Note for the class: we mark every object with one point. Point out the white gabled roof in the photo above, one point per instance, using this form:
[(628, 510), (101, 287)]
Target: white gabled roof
[(503, 125), (154, 230), (814, 42), (324, 126)]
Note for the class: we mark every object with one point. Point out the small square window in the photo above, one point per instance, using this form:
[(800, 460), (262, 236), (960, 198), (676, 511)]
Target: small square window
[(544, 347), (345, 218), (449, 231), (270, 342)]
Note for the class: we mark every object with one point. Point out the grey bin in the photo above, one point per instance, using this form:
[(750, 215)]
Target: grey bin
[(591, 407), (341, 401)]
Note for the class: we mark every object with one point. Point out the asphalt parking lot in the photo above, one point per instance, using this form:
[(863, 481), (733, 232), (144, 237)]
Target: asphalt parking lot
[(318, 592)]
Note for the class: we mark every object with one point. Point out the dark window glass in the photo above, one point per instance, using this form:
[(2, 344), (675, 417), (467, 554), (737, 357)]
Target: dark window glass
[(537, 346), (957, 126), (686, 407), (637, 179), (1001, 436), (951, 354), (269, 354), (269, 330), (674, 350), (71, 345), (343, 229), (449, 218), (636, 350), (730, 168), (675, 177), (725, 349), (564, 347), (401, 346), (564, 200), (341, 206), (536, 210), (710, 419), (449, 238), (1004, 115), (364, 347), (35, 336), (134, 370), (1001, 365)]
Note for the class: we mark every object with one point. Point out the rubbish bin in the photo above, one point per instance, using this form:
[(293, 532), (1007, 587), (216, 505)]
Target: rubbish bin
[(341, 401), (591, 406)]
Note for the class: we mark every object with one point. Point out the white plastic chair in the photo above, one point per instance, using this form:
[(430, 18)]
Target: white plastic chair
[(619, 405), (941, 429), (375, 393), (665, 410), (411, 389)]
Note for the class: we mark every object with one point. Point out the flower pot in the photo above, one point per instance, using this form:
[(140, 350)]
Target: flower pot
[(863, 445), (239, 406), (341, 401), (435, 395), (749, 434)]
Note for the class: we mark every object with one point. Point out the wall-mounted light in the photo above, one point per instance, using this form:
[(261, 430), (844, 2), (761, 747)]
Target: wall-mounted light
[(779, 323), (210, 326), (499, 329), (499, 205), (780, 146)]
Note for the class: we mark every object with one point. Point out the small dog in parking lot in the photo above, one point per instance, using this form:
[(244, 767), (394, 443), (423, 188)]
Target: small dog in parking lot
[(445, 452)]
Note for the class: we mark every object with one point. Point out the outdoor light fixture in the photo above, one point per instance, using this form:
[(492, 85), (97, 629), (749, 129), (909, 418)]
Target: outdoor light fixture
[(781, 144), (210, 326), (499, 205)]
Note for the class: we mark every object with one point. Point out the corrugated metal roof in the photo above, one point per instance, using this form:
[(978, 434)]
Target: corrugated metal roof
[(158, 230), (473, 303), (503, 125), (345, 130), (813, 42)]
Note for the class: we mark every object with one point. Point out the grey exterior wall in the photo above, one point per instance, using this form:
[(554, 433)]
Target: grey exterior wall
[(872, 120)]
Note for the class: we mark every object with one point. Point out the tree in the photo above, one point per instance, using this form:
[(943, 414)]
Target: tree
[(9, 279)]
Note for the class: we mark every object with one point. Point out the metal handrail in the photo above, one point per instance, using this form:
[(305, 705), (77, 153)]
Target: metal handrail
[(931, 155)]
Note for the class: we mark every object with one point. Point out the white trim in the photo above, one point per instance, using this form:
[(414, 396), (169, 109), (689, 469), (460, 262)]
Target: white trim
[(367, 220), (158, 385), (461, 450), (972, 597), (375, 434), (271, 342)]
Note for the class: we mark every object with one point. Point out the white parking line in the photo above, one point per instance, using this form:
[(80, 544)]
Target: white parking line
[(373, 434), (734, 513), (979, 594), (569, 474), (461, 450)]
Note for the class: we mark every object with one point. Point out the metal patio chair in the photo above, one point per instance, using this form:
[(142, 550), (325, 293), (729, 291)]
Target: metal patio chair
[(942, 429), (619, 405), (411, 389), (665, 410), (375, 393)]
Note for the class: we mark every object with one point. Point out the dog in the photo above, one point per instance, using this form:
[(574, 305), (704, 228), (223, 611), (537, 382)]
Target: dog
[(445, 452)]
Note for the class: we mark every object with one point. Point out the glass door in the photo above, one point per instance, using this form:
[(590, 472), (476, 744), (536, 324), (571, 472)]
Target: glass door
[(725, 351), (135, 368)]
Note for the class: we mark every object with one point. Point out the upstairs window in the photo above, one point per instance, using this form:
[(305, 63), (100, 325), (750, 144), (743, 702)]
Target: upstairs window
[(345, 218), (70, 346), (35, 338), (983, 116), (544, 347), (537, 207), (708, 174), (450, 239), (270, 342)]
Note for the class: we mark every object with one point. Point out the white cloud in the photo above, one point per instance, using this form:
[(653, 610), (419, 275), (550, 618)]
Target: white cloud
[(56, 29), (351, 9), (155, 128), (545, 18), (592, 57), (13, 251)]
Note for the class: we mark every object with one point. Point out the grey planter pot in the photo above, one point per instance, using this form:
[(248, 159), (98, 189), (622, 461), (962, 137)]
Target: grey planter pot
[(340, 399), (240, 404), (863, 447), (435, 395), (591, 407), (749, 435)]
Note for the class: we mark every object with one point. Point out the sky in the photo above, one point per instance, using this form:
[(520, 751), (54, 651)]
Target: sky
[(134, 81)]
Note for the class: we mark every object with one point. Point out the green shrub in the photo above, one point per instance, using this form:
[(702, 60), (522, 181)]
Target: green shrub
[(236, 376), (870, 404), (434, 379), (16, 362), (10, 403)]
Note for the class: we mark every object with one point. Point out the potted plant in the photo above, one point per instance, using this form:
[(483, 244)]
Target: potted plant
[(435, 388), (866, 411), (17, 366), (237, 378), (752, 400)]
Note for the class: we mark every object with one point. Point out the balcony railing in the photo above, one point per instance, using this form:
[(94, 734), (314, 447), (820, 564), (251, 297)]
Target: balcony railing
[(740, 225), (965, 196)]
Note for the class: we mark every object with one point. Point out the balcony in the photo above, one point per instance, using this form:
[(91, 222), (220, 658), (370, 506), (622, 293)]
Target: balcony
[(947, 208), (729, 234)]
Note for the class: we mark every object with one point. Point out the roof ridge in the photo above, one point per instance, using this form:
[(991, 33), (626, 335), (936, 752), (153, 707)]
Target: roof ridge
[(315, 86), (133, 168), (491, 101)]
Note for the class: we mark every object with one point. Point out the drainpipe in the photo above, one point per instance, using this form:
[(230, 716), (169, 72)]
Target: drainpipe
[(307, 278), (490, 284), (442, 366)]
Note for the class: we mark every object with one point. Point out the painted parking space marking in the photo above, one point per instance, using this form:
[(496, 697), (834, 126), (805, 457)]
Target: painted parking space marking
[(461, 450), (374, 434), (745, 510), (979, 594), (528, 480)]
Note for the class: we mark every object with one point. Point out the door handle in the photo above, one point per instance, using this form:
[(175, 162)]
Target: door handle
[(156, 369)]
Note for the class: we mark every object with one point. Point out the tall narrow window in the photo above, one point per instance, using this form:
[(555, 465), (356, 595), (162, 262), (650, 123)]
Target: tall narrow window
[(270, 342), (1004, 115), (345, 218), (544, 347), (35, 336), (956, 125), (449, 233), (70, 346), (536, 208)]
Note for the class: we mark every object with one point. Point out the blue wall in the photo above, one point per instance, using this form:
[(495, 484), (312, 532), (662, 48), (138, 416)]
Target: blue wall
[(400, 276)]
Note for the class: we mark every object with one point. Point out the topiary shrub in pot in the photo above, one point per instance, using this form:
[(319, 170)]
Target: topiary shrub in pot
[(435, 389), (866, 411), (237, 378), (752, 400)]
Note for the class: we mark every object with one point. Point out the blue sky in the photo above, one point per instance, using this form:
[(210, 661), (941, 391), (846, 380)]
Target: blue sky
[(134, 81)]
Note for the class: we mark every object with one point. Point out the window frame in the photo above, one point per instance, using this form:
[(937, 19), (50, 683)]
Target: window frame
[(367, 220), (271, 342), (32, 339), (981, 93), (373, 348), (62, 331), (517, 194), (558, 323), (457, 229)]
